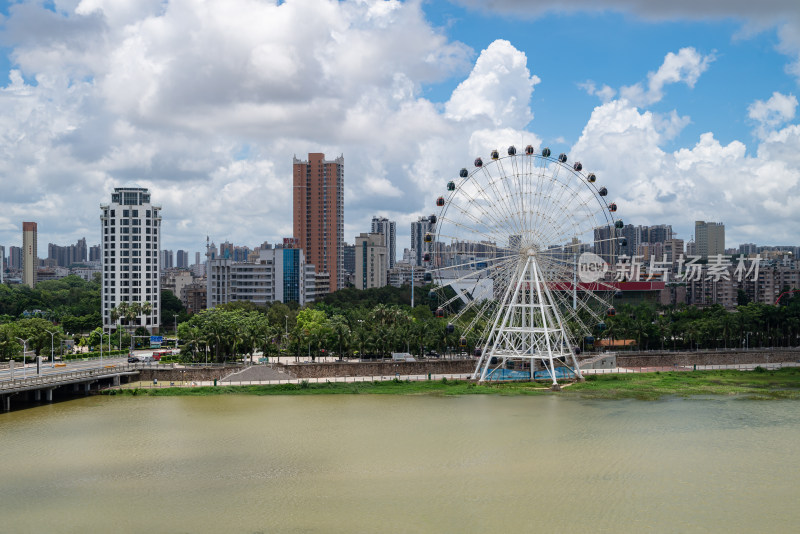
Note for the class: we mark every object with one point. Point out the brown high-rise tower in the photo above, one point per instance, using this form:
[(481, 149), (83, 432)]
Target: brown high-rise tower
[(319, 214)]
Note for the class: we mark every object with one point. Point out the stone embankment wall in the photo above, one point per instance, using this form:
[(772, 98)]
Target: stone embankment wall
[(326, 370), (162, 373), (660, 359)]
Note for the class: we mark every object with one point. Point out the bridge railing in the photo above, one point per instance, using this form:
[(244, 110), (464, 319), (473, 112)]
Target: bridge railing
[(68, 376)]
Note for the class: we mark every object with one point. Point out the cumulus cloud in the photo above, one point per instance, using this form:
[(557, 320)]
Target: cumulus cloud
[(206, 102), (753, 195), (776, 111), (686, 66), (499, 88), (604, 93)]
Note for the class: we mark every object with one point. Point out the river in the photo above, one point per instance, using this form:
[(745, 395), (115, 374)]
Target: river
[(360, 463)]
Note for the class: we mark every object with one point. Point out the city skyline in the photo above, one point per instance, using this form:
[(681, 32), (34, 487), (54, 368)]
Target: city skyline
[(696, 122)]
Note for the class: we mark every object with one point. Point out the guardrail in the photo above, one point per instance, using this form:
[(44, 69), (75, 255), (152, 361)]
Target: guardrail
[(65, 377)]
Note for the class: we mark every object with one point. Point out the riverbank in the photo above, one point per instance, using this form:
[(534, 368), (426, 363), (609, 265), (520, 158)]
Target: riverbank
[(758, 384)]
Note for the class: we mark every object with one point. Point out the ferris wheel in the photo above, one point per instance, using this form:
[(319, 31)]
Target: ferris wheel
[(518, 259)]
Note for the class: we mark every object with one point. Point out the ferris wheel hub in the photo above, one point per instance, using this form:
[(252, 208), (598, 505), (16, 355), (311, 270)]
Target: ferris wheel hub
[(531, 251)]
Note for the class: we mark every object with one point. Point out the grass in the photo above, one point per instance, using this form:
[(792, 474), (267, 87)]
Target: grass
[(759, 384)]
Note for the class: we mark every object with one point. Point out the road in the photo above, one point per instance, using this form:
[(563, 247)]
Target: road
[(68, 366)]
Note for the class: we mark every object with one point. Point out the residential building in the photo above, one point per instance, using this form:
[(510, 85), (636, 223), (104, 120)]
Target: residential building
[(68, 255), (30, 259), (166, 258), (709, 238), (382, 225), (318, 210), (193, 296), (371, 261), (14, 258), (131, 229), (182, 259), (419, 228), (95, 253), (349, 258), (2, 263)]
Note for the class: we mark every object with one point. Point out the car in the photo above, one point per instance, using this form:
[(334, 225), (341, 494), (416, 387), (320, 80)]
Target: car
[(133, 359)]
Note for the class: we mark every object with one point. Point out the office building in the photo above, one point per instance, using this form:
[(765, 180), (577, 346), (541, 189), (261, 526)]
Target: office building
[(318, 213), (277, 275), (131, 227), (382, 225), (419, 228), (197, 258), (30, 259), (371, 261), (709, 238)]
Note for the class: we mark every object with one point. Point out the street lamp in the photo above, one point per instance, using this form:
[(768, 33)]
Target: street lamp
[(24, 351), (52, 358), (176, 330)]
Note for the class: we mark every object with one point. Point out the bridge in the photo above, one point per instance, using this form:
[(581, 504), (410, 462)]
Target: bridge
[(79, 380)]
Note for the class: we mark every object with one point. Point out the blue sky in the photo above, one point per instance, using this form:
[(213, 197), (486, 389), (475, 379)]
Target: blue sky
[(207, 102)]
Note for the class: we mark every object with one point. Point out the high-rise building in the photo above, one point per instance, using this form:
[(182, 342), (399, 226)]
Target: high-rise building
[(418, 246), (182, 259), (709, 238), (197, 258), (382, 225), (371, 261), (131, 228), (68, 255), (166, 259), (318, 208), (2, 262), (349, 258), (30, 259), (14, 258), (95, 253)]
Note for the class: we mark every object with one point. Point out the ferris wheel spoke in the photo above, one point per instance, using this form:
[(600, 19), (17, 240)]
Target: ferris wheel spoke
[(488, 216), (501, 197), (476, 224)]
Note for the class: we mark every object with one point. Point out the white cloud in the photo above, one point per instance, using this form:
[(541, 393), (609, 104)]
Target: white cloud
[(169, 94), (686, 66), (776, 111), (605, 93), (754, 195), (499, 88)]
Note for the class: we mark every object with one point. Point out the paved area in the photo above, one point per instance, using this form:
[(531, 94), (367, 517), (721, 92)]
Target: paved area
[(257, 373)]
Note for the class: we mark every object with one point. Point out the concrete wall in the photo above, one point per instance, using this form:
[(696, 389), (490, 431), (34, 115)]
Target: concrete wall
[(200, 374), (658, 359), (323, 370)]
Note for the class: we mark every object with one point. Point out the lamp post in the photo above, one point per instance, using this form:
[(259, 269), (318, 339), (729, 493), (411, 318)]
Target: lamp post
[(176, 329), (52, 358), (24, 351)]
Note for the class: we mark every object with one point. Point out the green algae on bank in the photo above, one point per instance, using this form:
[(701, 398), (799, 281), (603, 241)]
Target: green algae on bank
[(758, 384)]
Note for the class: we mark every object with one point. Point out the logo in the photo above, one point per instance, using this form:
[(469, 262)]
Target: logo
[(591, 267)]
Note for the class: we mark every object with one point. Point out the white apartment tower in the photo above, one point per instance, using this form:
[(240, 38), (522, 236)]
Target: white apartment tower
[(382, 225), (130, 238), (371, 261)]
